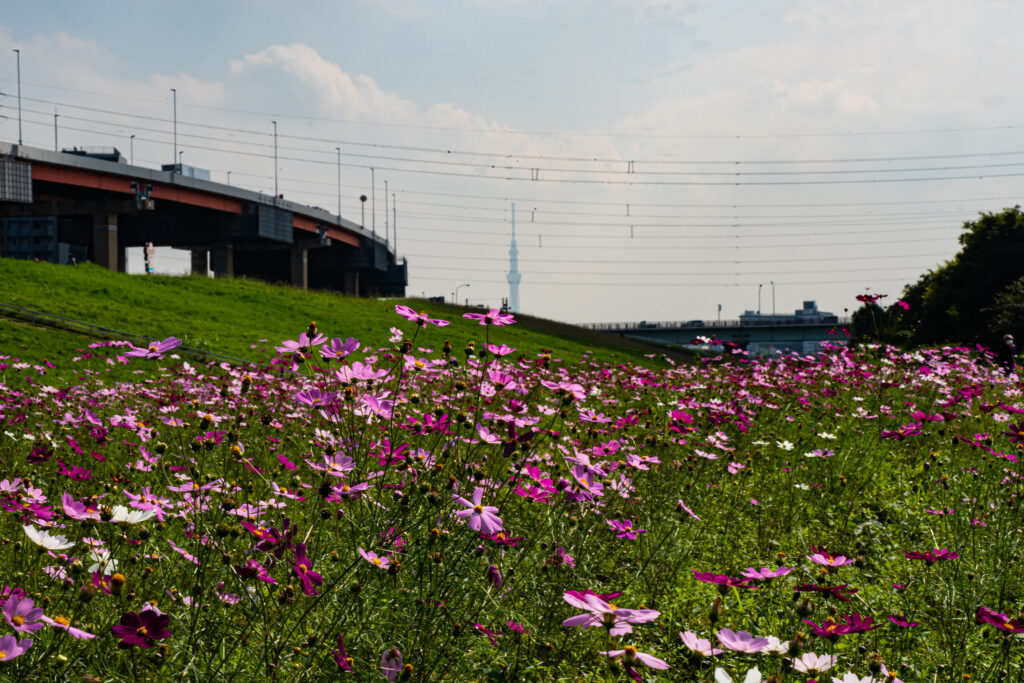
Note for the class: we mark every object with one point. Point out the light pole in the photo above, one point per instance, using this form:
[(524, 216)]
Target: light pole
[(275, 159), (759, 286), (339, 182), (174, 95), (362, 211), (456, 296), (773, 297), (394, 225), (387, 223), (18, 52), (373, 202), (55, 117), (229, 178), (131, 145)]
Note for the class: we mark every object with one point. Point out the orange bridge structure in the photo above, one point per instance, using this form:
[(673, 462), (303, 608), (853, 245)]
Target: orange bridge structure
[(64, 206)]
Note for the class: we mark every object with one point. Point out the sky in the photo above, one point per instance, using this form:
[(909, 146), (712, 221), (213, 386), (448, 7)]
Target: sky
[(667, 160)]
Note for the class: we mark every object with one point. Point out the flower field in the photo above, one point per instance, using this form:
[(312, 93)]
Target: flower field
[(414, 509)]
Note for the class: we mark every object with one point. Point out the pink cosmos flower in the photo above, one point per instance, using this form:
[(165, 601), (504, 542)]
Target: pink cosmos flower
[(483, 518), (828, 559), (420, 319), (630, 656), (303, 345), (64, 624), (986, 615), (155, 349), (601, 613), (741, 642), (491, 317), (10, 648), (22, 614), (701, 646), (765, 573), (375, 559), (339, 349)]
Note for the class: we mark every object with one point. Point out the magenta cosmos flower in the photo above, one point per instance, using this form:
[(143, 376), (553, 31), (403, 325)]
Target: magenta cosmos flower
[(932, 556), (601, 613), (482, 518), (22, 614), (723, 582), (304, 344), (830, 628), (10, 648), (420, 319), (491, 317), (156, 349), (630, 656), (339, 349), (142, 628), (624, 528), (741, 642), (391, 663), (986, 615)]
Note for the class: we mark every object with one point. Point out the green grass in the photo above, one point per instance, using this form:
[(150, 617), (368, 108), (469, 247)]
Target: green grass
[(229, 316)]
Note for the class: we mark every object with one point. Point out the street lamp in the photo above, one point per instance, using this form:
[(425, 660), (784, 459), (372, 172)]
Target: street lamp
[(773, 297), (456, 295), (275, 159), (180, 167), (55, 117), (229, 177), (18, 52), (174, 95), (131, 145), (759, 286), (362, 211), (339, 182)]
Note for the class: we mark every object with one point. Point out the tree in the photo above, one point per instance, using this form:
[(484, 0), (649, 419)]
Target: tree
[(953, 303), (1006, 314)]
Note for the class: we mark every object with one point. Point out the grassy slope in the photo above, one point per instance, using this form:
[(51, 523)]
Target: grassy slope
[(229, 316)]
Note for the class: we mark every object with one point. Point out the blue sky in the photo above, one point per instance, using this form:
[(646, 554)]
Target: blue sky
[(863, 132)]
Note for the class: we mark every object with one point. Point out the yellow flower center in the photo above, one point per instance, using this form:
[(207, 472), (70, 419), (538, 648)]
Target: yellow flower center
[(478, 508), (3, 654), (345, 488), (141, 631), (153, 348), (376, 560), (630, 651), (63, 621), (17, 620)]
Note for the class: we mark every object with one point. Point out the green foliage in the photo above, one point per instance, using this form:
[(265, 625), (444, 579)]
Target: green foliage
[(219, 315), (953, 303)]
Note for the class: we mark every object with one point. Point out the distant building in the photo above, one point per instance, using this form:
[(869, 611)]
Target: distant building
[(808, 315), (104, 153), (187, 171)]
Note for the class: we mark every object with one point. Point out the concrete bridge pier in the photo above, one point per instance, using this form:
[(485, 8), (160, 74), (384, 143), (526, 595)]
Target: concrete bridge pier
[(106, 251), (200, 262), (224, 261)]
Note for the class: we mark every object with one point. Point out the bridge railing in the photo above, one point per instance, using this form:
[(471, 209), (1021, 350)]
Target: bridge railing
[(719, 324)]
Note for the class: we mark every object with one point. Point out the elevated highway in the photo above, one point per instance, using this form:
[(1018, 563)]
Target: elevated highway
[(68, 205)]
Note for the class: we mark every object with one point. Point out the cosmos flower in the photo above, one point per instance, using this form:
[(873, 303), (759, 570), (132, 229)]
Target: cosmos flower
[(765, 573), (156, 349), (491, 317), (483, 518), (741, 642), (813, 664), (339, 349), (986, 615), (10, 648), (701, 646), (624, 528), (753, 676), (931, 556), (420, 319), (22, 614), (141, 628), (382, 562), (45, 539), (630, 656), (601, 613)]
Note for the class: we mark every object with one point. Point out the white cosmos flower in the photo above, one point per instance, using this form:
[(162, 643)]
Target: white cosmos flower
[(753, 676), (123, 514), (103, 563), (785, 445), (44, 538)]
